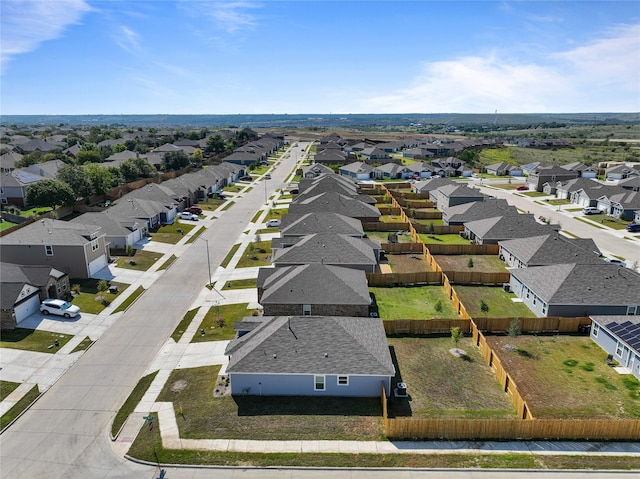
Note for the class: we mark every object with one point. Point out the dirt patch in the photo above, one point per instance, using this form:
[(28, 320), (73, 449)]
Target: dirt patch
[(178, 386), (408, 263), (222, 387), (481, 263)]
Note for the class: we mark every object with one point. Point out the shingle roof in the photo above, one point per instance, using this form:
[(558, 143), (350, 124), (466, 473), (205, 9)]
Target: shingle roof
[(313, 345), (553, 249), (336, 203), (53, 232), (586, 284), (315, 284), (477, 210), (508, 227), (327, 248), (320, 222)]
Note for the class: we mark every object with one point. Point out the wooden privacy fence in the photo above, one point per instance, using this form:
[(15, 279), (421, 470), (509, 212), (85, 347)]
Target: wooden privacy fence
[(427, 215), (414, 202), (477, 277), (457, 249), (512, 429), (425, 326), (420, 277), (534, 325), (437, 230), (402, 248), (388, 209), (382, 226), (410, 195)]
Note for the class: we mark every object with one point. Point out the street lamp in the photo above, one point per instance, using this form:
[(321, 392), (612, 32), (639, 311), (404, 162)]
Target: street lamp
[(266, 201)]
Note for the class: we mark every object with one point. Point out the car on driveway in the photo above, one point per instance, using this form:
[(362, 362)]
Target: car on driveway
[(185, 215), (590, 210), (615, 261), (633, 227), (522, 188), (59, 308), (196, 210), (274, 223), (245, 178)]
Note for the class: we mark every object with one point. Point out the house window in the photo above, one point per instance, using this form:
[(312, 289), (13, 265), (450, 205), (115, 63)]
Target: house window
[(306, 309), (595, 330), (4, 201), (619, 349), (48, 250), (343, 380), (318, 383), (94, 245)]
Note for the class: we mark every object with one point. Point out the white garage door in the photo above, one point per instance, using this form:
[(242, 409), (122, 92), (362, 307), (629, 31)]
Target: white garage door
[(97, 264), (27, 308)]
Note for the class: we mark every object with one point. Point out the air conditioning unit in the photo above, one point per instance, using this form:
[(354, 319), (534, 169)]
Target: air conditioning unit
[(401, 390), (506, 287)]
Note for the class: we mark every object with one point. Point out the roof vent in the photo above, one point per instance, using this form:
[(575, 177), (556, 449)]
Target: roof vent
[(326, 355), (275, 356)]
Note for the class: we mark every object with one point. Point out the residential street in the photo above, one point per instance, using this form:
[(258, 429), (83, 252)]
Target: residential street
[(66, 433)]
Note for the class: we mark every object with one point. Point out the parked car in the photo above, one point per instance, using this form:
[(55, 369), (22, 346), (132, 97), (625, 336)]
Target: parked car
[(185, 215), (590, 210), (245, 178), (633, 227), (522, 188), (273, 223), (196, 210), (615, 261), (59, 308)]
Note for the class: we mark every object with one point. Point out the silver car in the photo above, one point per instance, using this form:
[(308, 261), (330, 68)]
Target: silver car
[(59, 308)]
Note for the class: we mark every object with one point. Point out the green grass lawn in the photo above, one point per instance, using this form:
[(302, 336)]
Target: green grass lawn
[(434, 221), (131, 402), (229, 256), (228, 205), (5, 225), (567, 377), (276, 214), (609, 221), (127, 302), (195, 235), (219, 320), (585, 221), (240, 284), (443, 385), (498, 301), (383, 237), (6, 388), (442, 239), (83, 345), (211, 204), (33, 340), (558, 202), (265, 418), (391, 219), (86, 300), (533, 194), (413, 302), (184, 324), (171, 233), (20, 406), (485, 263), (168, 262), (257, 253), (35, 211), (140, 261)]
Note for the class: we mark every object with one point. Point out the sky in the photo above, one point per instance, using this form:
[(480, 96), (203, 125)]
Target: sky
[(332, 56)]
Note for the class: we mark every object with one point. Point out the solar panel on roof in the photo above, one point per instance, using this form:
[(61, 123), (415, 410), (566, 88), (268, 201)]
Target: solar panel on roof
[(25, 177)]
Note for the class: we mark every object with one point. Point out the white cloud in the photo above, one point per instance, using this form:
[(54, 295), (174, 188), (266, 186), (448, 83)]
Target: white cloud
[(25, 24), (229, 16), (600, 76), (127, 39)]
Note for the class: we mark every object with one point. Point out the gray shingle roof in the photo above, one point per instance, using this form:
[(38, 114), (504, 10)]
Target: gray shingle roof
[(477, 210), (316, 284), (327, 248), (313, 345), (53, 232), (582, 283), (336, 203), (507, 227), (553, 249), (298, 225)]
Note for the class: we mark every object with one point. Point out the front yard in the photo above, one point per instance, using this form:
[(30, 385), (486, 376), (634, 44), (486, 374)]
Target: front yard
[(567, 377), (87, 300), (219, 320), (171, 233), (443, 385), (140, 260), (258, 253)]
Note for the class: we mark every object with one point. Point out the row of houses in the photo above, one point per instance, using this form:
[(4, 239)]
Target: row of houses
[(316, 336)]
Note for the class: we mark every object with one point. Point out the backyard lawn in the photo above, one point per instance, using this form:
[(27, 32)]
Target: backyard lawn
[(443, 385), (413, 302), (383, 237), (499, 304), (265, 418), (407, 263), (484, 263), (566, 376), (442, 239)]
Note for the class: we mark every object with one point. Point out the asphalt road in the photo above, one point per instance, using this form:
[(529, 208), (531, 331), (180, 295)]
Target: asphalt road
[(65, 434), (609, 242)]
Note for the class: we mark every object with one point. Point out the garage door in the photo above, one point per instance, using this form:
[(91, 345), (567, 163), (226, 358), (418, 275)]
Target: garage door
[(27, 308), (97, 264)]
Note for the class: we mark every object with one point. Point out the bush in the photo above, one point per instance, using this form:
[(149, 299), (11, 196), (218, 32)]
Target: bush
[(484, 307), (75, 288), (470, 263), (438, 306)]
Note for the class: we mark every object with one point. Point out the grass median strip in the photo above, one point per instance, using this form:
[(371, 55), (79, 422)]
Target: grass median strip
[(227, 259), (20, 406), (127, 302), (168, 262), (195, 235), (131, 402), (184, 324), (83, 345)]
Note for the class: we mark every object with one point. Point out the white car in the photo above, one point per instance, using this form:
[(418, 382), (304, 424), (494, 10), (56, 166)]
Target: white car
[(273, 223), (59, 307), (185, 215), (590, 210)]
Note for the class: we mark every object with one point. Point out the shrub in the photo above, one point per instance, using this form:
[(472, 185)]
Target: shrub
[(75, 288), (129, 250), (470, 263), (102, 286), (220, 322), (438, 306), (514, 329), (484, 307)]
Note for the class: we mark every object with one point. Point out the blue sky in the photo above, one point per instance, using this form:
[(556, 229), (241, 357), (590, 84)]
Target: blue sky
[(227, 57)]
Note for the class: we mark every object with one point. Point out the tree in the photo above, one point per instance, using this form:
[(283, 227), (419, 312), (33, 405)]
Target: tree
[(51, 193), (456, 335), (215, 144), (77, 179), (99, 177), (88, 156), (119, 148), (129, 170), (116, 175), (175, 160), (514, 330)]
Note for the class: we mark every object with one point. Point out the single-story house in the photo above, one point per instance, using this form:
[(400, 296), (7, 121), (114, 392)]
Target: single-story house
[(336, 203), (455, 194), (570, 289), (620, 172), (504, 169), (357, 170), (311, 356), (477, 210), (493, 230), (313, 289), (583, 170), (619, 336), (620, 205), (311, 223), (548, 249)]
